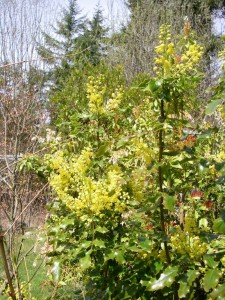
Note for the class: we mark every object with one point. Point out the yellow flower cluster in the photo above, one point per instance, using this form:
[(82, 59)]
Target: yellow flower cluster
[(115, 100), (139, 183), (97, 196), (175, 61), (187, 241), (96, 93), (142, 151), (83, 194), (220, 157), (190, 57), (165, 50), (81, 164)]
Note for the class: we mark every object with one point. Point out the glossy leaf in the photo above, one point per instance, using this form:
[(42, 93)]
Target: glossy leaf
[(208, 260), (56, 271), (219, 292), (85, 262), (211, 279), (99, 243), (219, 225), (191, 276), (183, 289), (101, 229), (186, 284), (119, 257), (166, 279), (145, 245)]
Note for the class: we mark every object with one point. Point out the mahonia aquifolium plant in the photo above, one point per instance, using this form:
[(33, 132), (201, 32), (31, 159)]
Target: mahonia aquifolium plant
[(132, 217)]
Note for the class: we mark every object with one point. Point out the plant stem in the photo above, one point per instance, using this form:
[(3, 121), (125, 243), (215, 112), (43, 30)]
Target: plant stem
[(160, 174), (4, 259)]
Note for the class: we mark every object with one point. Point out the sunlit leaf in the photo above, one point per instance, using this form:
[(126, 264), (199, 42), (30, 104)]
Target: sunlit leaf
[(219, 225), (211, 279), (99, 243), (101, 229), (166, 279), (85, 262), (184, 288), (191, 276), (56, 271), (208, 260), (219, 292), (169, 202), (212, 106)]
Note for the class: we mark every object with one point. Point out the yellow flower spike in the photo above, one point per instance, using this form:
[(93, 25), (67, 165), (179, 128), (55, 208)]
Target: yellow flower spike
[(166, 64), (96, 90), (167, 56)]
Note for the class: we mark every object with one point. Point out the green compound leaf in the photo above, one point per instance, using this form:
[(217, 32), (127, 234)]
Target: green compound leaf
[(219, 292), (166, 279), (211, 279)]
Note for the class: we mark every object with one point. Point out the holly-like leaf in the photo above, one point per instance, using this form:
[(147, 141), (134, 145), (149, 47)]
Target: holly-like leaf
[(166, 279), (101, 229), (186, 284), (86, 244), (211, 279), (191, 276), (219, 225), (85, 262), (119, 257), (208, 260), (99, 243), (212, 106), (169, 202), (183, 289), (151, 85), (146, 245), (219, 292)]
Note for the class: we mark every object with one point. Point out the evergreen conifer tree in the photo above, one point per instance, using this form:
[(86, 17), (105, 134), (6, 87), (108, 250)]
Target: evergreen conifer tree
[(60, 48)]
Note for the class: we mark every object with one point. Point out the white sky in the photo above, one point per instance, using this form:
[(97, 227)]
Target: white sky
[(88, 6), (115, 11)]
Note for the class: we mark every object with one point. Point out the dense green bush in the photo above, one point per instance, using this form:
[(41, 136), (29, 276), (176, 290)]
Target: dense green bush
[(138, 186)]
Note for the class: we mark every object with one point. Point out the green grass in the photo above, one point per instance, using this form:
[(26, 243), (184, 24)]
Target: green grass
[(27, 270)]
